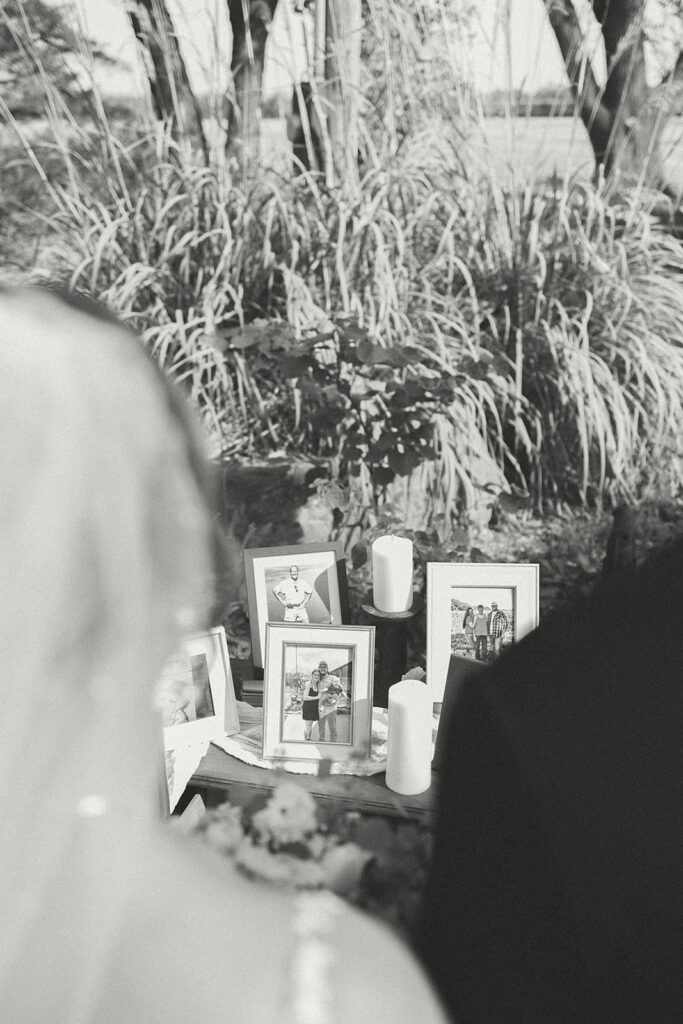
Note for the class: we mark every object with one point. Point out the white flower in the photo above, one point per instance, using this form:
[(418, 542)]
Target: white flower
[(288, 817), (224, 831), (342, 867)]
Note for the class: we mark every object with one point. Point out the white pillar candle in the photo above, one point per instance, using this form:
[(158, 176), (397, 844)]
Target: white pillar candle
[(392, 574), (409, 739)]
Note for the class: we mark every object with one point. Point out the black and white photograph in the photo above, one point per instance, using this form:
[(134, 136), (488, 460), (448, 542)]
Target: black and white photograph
[(478, 611), (195, 693), (303, 584), (317, 693), (185, 690), (341, 511), (482, 621), (298, 594), (317, 690)]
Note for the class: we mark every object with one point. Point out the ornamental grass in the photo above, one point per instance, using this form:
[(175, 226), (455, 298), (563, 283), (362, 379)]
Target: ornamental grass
[(519, 334)]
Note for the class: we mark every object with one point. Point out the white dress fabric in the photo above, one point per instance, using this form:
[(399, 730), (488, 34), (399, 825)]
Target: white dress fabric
[(108, 915)]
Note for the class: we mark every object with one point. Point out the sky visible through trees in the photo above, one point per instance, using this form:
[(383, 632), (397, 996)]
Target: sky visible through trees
[(533, 51), (536, 61)]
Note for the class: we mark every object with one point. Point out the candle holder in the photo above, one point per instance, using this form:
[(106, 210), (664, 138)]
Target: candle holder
[(391, 644)]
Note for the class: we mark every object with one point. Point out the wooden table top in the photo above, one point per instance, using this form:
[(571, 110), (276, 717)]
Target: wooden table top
[(218, 770)]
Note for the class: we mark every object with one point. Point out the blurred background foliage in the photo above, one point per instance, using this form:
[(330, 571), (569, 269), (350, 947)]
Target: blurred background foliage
[(447, 348)]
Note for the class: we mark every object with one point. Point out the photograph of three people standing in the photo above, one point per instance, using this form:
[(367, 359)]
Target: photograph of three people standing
[(482, 624)]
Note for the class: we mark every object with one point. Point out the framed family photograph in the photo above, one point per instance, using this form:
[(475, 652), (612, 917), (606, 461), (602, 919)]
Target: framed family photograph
[(305, 583), (317, 693), (477, 611), (195, 693)]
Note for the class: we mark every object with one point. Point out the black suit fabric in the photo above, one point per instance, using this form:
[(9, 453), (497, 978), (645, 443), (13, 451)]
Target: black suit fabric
[(556, 892)]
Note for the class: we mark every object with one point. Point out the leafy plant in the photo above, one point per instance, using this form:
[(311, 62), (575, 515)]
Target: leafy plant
[(39, 43), (345, 396), (436, 326)]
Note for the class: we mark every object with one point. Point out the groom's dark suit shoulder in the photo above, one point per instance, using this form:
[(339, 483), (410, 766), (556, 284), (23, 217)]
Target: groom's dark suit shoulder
[(556, 891)]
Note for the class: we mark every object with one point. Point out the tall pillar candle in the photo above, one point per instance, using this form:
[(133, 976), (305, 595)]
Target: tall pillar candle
[(409, 740), (392, 574)]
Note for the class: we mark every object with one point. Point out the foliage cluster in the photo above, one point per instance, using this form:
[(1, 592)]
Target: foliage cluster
[(432, 323), (427, 316), (38, 45)]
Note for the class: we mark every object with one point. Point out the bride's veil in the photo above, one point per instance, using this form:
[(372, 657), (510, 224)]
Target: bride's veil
[(105, 553)]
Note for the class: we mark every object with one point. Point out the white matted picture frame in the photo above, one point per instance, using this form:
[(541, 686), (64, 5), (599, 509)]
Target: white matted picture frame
[(317, 691), (195, 692), (301, 583), (476, 610)]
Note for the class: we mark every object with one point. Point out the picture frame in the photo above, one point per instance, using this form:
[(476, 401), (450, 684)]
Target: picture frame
[(506, 593), (317, 701), (318, 595), (461, 670), (195, 692)]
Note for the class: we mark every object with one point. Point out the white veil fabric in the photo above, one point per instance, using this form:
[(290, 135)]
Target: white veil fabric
[(108, 916), (104, 538)]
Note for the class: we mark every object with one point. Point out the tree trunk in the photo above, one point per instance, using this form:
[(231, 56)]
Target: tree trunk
[(173, 100), (250, 21), (342, 88), (625, 117)]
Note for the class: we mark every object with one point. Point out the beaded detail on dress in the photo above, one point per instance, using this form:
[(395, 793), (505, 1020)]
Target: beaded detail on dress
[(311, 995)]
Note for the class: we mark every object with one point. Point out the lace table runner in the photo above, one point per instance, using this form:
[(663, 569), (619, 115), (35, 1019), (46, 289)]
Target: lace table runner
[(246, 746)]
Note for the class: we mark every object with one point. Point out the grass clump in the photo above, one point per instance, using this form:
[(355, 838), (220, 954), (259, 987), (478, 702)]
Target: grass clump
[(429, 325), (537, 334)]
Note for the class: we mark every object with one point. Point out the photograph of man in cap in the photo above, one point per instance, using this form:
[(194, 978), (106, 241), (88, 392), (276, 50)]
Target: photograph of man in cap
[(497, 625)]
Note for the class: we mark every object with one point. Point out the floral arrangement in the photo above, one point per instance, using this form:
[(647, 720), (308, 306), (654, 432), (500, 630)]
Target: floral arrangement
[(284, 842), (287, 838)]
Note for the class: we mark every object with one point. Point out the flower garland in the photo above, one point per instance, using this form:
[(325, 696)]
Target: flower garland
[(287, 838), (284, 842)]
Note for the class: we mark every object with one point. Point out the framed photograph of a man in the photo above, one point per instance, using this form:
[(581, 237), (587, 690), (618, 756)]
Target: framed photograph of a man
[(317, 691), (477, 611), (303, 584)]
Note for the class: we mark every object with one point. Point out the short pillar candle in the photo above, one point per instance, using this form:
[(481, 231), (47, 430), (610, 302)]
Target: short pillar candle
[(392, 574), (409, 739)]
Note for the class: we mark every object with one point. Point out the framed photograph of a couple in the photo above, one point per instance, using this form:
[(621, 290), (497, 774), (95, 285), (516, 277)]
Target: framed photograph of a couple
[(317, 694), (477, 611), (304, 583)]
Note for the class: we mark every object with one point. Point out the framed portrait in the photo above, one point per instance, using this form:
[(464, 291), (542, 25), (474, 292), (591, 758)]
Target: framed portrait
[(317, 692), (305, 583), (195, 693), (477, 611)]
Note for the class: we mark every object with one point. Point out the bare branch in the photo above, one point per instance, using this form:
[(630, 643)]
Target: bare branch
[(621, 23), (250, 21), (570, 39)]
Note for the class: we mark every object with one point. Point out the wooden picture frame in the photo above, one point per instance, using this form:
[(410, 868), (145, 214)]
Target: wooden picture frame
[(318, 595), (325, 718), (507, 595)]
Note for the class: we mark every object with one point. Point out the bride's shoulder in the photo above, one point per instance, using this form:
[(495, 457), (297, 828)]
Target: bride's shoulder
[(355, 969), (261, 952)]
